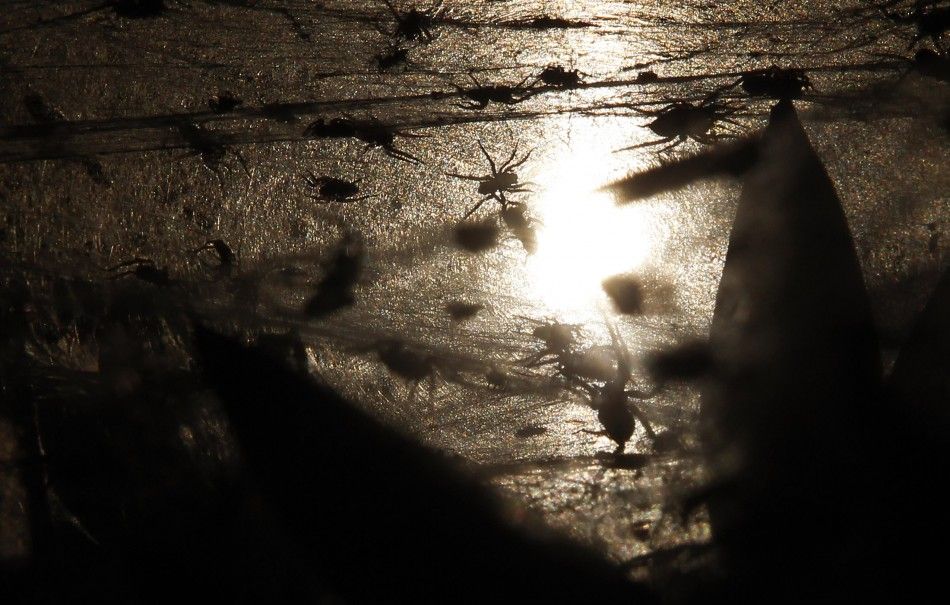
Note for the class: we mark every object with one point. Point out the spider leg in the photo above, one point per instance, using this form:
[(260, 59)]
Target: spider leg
[(491, 162), (472, 210), (505, 166), (676, 143), (466, 177), (521, 161), (643, 395), (647, 144), (643, 420), (713, 138), (412, 135), (535, 360), (312, 180), (399, 154)]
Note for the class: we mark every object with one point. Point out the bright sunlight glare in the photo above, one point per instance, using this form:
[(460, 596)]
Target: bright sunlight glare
[(583, 237)]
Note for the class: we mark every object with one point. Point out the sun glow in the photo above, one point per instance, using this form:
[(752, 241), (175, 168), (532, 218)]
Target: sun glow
[(583, 237)]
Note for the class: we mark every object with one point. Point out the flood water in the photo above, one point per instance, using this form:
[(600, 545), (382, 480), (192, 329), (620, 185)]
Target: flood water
[(116, 92)]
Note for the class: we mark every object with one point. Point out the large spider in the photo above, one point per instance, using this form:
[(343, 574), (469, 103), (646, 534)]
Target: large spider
[(681, 121), (503, 179), (416, 24)]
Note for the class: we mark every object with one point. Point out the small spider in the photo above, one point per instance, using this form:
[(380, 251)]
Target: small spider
[(502, 180), (330, 189), (143, 269), (412, 365), (528, 432), (224, 102), (681, 121), (371, 132), (775, 83), (559, 340), (416, 24), (481, 95), (337, 128), (460, 310), (556, 76), (647, 77), (375, 134)]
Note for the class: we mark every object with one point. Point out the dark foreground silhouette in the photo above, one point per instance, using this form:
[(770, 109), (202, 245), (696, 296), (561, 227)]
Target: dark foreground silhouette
[(381, 518)]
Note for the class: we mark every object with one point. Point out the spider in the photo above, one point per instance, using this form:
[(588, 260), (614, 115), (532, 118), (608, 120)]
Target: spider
[(681, 121), (460, 310), (375, 134), (371, 132), (412, 365), (502, 180), (330, 189), (775, 83), (557, 76), (559, 340), (416, 24), (481, 95), (224, 102)]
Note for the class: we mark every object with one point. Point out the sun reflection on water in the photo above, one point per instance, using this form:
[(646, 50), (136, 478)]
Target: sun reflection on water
[(583, 237)]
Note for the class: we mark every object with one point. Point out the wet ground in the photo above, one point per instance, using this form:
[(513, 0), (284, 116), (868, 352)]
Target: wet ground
[(147, 137)]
